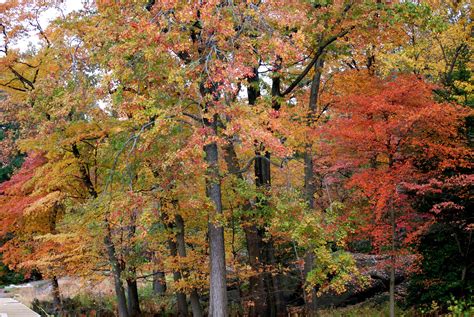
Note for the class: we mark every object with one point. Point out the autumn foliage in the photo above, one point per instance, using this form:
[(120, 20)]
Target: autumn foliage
[(234, 155)]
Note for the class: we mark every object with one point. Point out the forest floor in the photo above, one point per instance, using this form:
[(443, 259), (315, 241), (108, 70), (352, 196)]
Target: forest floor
[(72, 287)]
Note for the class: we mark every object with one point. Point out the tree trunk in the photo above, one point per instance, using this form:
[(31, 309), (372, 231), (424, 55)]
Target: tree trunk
[(260, 289), (133, 300), (56, 294), (132, 287), (392, 265), (273, 299), (159, 283), (273, 303), (117, 273), (218, 285), (253, 239), (109, 246), (310, 297), (180, 296), (54, 281), (181, 245), (262, 285), (309, 176), (195, 304)]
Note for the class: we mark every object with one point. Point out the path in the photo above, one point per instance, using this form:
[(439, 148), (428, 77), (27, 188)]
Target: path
[(10, 307)]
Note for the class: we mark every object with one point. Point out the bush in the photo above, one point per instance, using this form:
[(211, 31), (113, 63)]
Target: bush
[(82, 304)]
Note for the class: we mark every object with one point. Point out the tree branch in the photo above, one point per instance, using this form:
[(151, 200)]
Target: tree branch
[(318, 53)]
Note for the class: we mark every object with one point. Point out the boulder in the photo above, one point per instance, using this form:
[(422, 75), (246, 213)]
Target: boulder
[(374, 268)]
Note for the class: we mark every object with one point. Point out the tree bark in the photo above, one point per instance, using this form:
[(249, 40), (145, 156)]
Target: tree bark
[(180, 296), (195, 304), (56, 294), (159, 283), (181, 245), (260, 288), (392, 265), (109, 246), (254, 237), (117, 274), (54, 281), (133, 300), (273, 302), (218, 285), (132, 287), (309, 176), (253, 240)]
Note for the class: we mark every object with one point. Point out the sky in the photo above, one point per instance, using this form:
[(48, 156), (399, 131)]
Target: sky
[(45, 18)]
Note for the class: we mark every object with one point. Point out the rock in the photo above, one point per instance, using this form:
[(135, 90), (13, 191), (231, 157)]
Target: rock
[(373, 267)]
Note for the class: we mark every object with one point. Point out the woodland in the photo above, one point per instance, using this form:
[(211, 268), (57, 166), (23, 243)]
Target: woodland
[(239, 157)]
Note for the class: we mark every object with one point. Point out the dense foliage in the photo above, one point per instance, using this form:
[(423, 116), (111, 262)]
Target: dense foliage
[(234, 154)]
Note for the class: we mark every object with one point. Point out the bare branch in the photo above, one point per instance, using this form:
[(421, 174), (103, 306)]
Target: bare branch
[(318, 53)]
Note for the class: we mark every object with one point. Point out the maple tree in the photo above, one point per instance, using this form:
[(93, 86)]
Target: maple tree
[(394, 137)]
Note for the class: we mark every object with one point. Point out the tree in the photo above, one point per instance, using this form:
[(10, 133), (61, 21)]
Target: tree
[(382, 136)]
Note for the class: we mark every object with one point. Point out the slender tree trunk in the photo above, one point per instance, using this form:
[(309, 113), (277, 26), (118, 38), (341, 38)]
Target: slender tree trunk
[(392, 265), (309, 176), (56, 294), (109, 245), (274, 302), (253, 240), (181, 245), (195, 304), (117, 274), (54, 281), (267, 307), (260, 289), (159, 283), (310, 299), (180, 296), (132, 287)]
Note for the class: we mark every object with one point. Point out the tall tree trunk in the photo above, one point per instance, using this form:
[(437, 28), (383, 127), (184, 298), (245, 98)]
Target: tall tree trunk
[(181, 245), (159, 283), (218, 285), (117, 273), (392, 264), (54, 281), (180, 296), (273, 302), (109, 245), (253, 240), (274, 305), (132, 287), (259, 290), (56, 294), (309, 176)]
